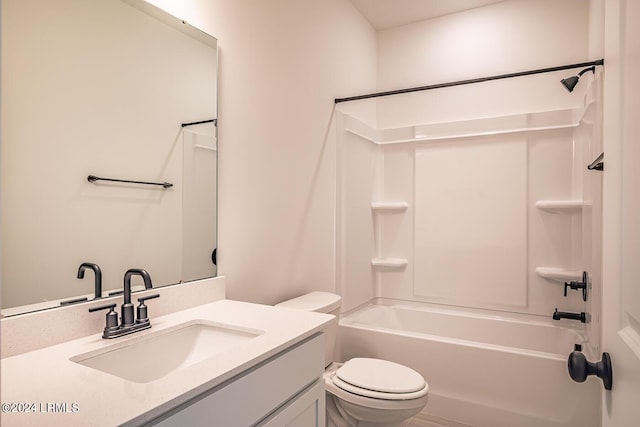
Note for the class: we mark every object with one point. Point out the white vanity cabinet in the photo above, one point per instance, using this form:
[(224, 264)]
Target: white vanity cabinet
[(285, 390)]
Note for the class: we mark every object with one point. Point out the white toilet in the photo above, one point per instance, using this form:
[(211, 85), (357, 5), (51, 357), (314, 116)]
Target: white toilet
[(363, 392)]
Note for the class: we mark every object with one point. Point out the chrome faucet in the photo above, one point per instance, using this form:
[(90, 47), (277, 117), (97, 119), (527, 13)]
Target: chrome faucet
[(128, 324), (97, 277)]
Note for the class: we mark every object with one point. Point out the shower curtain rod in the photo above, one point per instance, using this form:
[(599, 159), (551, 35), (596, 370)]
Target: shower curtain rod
[(470, 81)]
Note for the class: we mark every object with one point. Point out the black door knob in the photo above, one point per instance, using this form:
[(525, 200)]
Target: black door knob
[(580, 368)]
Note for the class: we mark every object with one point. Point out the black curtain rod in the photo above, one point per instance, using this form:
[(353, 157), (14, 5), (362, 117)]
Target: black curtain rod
[(470, 81)]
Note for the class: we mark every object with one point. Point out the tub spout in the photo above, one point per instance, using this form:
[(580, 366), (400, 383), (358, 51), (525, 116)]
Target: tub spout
[(583, 317)]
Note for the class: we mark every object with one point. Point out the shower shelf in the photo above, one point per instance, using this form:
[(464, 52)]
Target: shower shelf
[(560, 205), (389, 206), (560, 274), (389, 263), (473, 128)]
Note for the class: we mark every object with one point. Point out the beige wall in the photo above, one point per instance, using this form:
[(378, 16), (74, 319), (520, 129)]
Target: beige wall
[(281, 64), (506, 37)]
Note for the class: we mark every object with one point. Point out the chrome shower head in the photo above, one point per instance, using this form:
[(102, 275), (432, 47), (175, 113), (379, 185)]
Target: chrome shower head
[(570, 82)]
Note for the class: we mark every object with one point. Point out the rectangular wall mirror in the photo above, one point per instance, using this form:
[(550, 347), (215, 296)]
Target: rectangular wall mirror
[(103, 88)]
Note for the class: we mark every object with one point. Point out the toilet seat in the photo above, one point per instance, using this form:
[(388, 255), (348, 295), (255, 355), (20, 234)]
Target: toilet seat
[(379, 379)]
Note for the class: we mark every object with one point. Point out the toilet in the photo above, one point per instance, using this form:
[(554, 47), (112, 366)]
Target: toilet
[(362, 392)]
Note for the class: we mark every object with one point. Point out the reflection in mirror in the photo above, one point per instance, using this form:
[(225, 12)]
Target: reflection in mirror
[(93, 87)]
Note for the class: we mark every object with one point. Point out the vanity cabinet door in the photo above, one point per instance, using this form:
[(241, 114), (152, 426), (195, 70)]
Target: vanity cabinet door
[(306, 410), (286, 386)]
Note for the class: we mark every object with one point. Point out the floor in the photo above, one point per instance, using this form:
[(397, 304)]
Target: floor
[(424, 420)]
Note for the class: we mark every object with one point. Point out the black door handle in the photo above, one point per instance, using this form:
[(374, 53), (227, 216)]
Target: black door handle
[(580, 368)]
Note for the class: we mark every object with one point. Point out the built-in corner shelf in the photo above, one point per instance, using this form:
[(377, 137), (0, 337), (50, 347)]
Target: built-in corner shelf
[(560, 274), (389, 263), (389, 206), (560, 205), (568, 206)]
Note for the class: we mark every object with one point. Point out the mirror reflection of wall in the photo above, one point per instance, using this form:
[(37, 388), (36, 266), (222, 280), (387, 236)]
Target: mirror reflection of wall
[(101, 88), (199, 203)]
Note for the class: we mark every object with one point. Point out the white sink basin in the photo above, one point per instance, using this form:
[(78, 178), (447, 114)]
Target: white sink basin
[(158, 354)]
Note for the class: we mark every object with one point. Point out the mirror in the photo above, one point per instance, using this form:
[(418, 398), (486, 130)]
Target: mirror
[(94, 87)]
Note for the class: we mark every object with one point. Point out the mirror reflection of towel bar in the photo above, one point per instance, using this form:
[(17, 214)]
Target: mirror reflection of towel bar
[(597, 164), (93, 178)]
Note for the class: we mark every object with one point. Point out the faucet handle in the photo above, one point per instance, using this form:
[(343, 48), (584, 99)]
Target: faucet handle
[(111, 318), (103, 307), (576, 285), (142, 308)]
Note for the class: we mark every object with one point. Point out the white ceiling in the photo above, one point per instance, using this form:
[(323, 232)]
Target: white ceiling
[(383, 14)]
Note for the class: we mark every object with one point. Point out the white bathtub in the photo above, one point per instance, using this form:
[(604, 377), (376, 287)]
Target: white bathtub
[(483, 369)]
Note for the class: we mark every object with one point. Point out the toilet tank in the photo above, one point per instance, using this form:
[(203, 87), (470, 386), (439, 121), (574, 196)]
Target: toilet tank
[(320, 302)]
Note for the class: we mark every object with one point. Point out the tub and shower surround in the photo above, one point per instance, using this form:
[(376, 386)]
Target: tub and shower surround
[(483, 213), (483, 216)]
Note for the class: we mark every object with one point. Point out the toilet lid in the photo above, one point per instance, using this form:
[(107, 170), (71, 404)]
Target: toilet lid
[(380, 376)]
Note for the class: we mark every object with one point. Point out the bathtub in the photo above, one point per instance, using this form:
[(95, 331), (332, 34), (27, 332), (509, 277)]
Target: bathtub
[(484, 369)]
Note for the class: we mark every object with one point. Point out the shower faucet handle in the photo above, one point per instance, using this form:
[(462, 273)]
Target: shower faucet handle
[(576, 285)]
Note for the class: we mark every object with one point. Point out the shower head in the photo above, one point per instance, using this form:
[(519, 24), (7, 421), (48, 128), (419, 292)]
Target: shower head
[(570, 82)]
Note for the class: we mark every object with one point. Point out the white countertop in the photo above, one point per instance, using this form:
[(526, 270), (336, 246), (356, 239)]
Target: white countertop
[(86, 396)]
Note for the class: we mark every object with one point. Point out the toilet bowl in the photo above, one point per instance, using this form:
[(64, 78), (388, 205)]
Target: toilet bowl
[(363, 392)]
